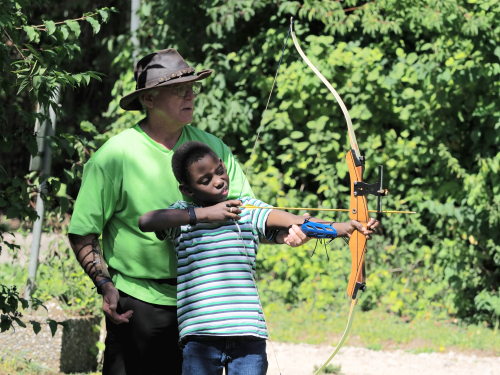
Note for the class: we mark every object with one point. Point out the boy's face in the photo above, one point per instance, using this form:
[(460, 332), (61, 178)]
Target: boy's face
[(209, 182)]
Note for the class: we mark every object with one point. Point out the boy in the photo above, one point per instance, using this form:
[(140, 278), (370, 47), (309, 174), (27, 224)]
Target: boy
[(221, 322)]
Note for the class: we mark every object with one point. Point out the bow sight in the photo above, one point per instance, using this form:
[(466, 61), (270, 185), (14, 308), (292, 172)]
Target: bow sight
[(361, 188)]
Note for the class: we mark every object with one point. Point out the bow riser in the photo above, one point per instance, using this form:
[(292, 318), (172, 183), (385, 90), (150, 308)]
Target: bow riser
[(358, 210)]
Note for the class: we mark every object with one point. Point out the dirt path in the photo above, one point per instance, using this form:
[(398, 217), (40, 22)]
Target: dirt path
[(300, 359)]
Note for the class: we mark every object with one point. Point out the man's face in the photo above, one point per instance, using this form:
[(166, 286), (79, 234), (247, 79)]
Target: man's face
[(172, 108), (209, 182)]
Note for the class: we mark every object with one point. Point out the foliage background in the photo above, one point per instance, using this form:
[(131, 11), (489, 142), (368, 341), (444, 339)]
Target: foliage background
[(420, 79)]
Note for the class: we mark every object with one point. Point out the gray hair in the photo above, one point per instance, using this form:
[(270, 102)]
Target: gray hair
[(153, 93)]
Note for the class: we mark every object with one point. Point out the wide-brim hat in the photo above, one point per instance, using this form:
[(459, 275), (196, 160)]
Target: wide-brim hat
[(158, 69)]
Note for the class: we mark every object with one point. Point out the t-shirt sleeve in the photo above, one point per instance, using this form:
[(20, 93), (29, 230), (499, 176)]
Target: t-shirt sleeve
[(236, 176), (95, 203), (259, 217)]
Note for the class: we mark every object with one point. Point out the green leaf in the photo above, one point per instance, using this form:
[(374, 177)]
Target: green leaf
[(75, 27), (64, 203), (51, 27), (78, 78), (12, 212), (20, 322), (33, 51), (64, 31), (88, 127), (100, 346), (296, 134), (37, 82), (5, 323), (3, 202), (36, 326), (104, 14), (96, 26), (24, 83), (70, 176), (86, 77), (32, 34), (94, 75), (55, 184), (32, 145), (53, 326)]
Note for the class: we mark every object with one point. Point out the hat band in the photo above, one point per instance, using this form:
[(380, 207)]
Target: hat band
[(168, 77)]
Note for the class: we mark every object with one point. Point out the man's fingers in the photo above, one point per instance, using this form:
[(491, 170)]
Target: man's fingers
[(123, 318)]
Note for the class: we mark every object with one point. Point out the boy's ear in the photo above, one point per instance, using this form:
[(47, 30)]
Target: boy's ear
[(185, 190)]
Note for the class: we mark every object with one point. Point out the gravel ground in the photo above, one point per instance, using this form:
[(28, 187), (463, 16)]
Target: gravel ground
[(300, 359)]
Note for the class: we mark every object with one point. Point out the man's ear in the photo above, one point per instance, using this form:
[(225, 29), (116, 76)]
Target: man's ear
[(185, 190), (147, 99)]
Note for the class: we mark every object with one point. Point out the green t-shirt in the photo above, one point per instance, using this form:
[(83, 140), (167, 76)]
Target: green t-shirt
[(128, 176)]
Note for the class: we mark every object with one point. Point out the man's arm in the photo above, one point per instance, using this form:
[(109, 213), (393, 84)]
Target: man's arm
[(87, 250)]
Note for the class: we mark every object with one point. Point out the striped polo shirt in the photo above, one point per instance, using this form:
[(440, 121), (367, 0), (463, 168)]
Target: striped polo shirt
[(216, 293)]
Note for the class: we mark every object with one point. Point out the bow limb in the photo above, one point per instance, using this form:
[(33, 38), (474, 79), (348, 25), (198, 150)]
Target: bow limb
[(352, 136), (344, 336)]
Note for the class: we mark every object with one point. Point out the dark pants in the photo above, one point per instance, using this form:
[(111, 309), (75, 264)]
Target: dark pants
[(147, 344)]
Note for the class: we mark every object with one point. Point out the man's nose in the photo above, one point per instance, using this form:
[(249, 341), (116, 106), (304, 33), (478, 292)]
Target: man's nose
[(190, 95)]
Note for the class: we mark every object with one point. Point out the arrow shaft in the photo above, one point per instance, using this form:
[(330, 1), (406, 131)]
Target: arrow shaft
[(322, 209)]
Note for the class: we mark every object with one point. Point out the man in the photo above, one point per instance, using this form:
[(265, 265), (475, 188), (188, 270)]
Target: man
[(128, 176)]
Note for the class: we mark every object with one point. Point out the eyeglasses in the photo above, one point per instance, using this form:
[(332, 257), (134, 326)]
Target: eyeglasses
[(183, 90)]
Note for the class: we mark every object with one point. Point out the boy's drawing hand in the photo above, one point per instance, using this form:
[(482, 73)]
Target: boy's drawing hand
[(224, 211)]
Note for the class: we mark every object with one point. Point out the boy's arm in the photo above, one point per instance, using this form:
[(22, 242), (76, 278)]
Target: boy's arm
[(278, 219), (158, 220)]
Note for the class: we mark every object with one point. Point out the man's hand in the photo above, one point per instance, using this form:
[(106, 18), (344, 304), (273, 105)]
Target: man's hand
[(110, 303), (224, 211)]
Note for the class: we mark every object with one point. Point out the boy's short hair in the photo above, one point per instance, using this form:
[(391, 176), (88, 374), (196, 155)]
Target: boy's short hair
[(187, 154)]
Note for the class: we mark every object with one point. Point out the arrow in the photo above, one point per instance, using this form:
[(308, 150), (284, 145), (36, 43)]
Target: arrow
[(252, 207)]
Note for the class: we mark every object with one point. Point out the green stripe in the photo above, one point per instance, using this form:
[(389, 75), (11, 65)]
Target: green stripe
[(194, 233), (209, 273), (216, 247), (259, 310), (219, 262), (237, 241), (226, 234), (253, 317), (197, 307), (187, 255), (187, 295), (214, 279)]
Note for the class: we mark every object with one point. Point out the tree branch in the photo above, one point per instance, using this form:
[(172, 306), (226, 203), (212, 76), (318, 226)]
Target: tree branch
[(59, 23), (15, 45)]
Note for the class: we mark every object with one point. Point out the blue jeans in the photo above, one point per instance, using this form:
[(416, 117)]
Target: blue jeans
[(240, 355)]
